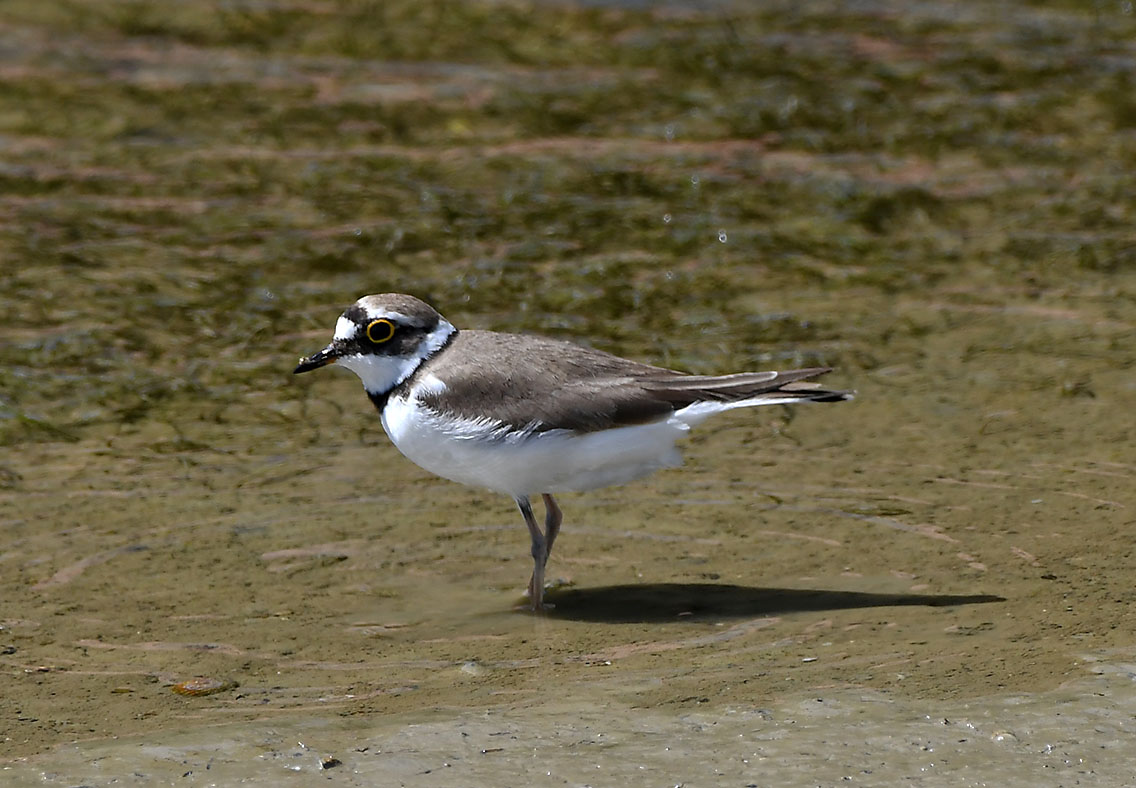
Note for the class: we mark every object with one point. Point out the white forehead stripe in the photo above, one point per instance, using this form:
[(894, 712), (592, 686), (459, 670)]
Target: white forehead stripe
[(345, 329), (390, 314)]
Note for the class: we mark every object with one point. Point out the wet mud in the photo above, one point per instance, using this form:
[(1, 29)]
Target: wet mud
[(930, 583)]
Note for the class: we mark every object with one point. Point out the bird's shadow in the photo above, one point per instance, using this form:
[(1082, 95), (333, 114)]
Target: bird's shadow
[(659, 602)]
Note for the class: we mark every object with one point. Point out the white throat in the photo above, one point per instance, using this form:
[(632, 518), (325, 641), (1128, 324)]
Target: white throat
[(381, 373)]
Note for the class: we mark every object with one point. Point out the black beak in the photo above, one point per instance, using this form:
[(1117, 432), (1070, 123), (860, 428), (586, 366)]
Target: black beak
[(321, 359)]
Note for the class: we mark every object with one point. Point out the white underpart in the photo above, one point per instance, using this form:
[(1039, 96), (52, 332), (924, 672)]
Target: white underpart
[(486, 453), (381, 373)]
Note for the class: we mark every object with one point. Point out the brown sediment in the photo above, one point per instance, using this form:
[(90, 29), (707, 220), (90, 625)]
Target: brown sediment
[(938, 207)]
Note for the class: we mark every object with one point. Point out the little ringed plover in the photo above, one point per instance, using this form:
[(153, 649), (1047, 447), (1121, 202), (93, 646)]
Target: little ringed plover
[(524, 415)]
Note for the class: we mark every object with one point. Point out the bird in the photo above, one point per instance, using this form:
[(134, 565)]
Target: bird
[(525, 415)]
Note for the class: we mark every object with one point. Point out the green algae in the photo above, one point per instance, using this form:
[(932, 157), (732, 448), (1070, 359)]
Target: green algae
[(938, 201)]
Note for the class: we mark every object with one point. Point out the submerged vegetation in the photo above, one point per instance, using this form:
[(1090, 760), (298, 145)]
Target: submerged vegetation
[(192, 183), (937, 198)]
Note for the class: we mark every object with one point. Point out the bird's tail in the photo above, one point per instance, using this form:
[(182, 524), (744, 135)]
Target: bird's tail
[(695, 397)]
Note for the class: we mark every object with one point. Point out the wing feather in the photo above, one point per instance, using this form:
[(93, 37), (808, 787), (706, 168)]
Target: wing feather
[(537, 384)]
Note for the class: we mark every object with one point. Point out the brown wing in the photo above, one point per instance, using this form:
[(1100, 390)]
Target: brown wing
[(544, 384)]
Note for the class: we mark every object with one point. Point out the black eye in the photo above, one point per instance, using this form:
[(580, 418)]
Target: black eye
[(380, 331)]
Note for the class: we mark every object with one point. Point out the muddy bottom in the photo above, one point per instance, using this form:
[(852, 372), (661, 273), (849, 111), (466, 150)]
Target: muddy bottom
[(932, 583), (1078, 734), (832, 581), (834, 586)]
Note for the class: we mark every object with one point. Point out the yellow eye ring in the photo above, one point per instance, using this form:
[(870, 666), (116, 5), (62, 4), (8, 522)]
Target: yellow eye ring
[(380, 331)]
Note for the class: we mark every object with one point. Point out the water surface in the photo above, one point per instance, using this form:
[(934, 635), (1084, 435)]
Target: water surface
[(936, 201)]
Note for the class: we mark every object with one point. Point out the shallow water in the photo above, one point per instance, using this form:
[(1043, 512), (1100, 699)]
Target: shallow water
[(937, 204), (837, 737)]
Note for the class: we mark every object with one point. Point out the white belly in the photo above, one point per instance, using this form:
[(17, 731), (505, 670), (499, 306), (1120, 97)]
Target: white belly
[(481, 454)]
